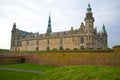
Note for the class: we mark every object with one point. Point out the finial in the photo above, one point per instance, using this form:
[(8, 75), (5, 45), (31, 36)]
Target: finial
[(89, 8)]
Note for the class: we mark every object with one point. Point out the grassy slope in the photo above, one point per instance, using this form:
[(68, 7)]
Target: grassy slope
[(28, 66), (81, 73), (14, 75)]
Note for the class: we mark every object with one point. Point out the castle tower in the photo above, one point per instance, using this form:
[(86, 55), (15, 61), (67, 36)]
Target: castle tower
[(49, 29), (104, 36), (89, 28), (13, 35)]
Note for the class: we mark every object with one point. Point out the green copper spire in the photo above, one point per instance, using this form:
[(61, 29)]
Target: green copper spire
[(103, 29), (49, 30), (89, 8)]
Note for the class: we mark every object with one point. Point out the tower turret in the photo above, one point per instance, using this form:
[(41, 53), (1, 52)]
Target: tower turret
[(104, 36), (14, 27), (49, 29), (89, 13), (89, 28), (89, 20), (104, 30), (13, 36)]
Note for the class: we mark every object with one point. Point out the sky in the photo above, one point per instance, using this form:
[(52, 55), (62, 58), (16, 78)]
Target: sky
[(32, 16)]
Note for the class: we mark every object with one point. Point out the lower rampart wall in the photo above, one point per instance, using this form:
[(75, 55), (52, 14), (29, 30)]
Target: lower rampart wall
[(63, 58), (9, 60)]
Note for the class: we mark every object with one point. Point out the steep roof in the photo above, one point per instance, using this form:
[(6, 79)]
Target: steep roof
[(24, 33)]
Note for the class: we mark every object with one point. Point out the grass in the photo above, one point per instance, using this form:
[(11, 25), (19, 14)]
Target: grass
[(61, 73), (14, 75), (81, 73), (4, 51), (27, 66)]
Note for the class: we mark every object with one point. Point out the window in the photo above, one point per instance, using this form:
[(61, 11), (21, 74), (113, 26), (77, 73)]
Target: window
[(13, 43), (48, 48), (18, 37), (41, 35), (82, 47), (82, 39), (61, 41), (17, 43), (57, 33), (37, 42), (47, 42), (37, 48), (27, 43), (61, 48), (89, 37), (20, 43), (61, 44)]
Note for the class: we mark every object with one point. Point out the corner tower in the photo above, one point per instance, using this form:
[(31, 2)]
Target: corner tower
[(49, 29), (89, 19)]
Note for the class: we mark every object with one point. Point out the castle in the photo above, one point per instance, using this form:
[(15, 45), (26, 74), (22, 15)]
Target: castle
[(86, 37)]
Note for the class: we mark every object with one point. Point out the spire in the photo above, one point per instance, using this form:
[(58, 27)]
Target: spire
[(89, 8), (49, 25), (14, 27), (49, 21), (103, 29)]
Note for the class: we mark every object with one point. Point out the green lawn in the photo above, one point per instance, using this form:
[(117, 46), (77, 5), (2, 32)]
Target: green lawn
[(14, 75), (28, 66), (81, 73), (61, 73)]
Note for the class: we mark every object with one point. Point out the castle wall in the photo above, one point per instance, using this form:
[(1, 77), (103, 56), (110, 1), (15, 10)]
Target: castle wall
[(66, 42), (54, 43), (42, 44)]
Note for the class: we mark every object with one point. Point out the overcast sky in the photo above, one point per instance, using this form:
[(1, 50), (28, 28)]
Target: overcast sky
[(32, 16)]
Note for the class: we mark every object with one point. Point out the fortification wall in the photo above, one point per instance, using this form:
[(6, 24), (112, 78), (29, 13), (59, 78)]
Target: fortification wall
[(9, 60), (63, 59)]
